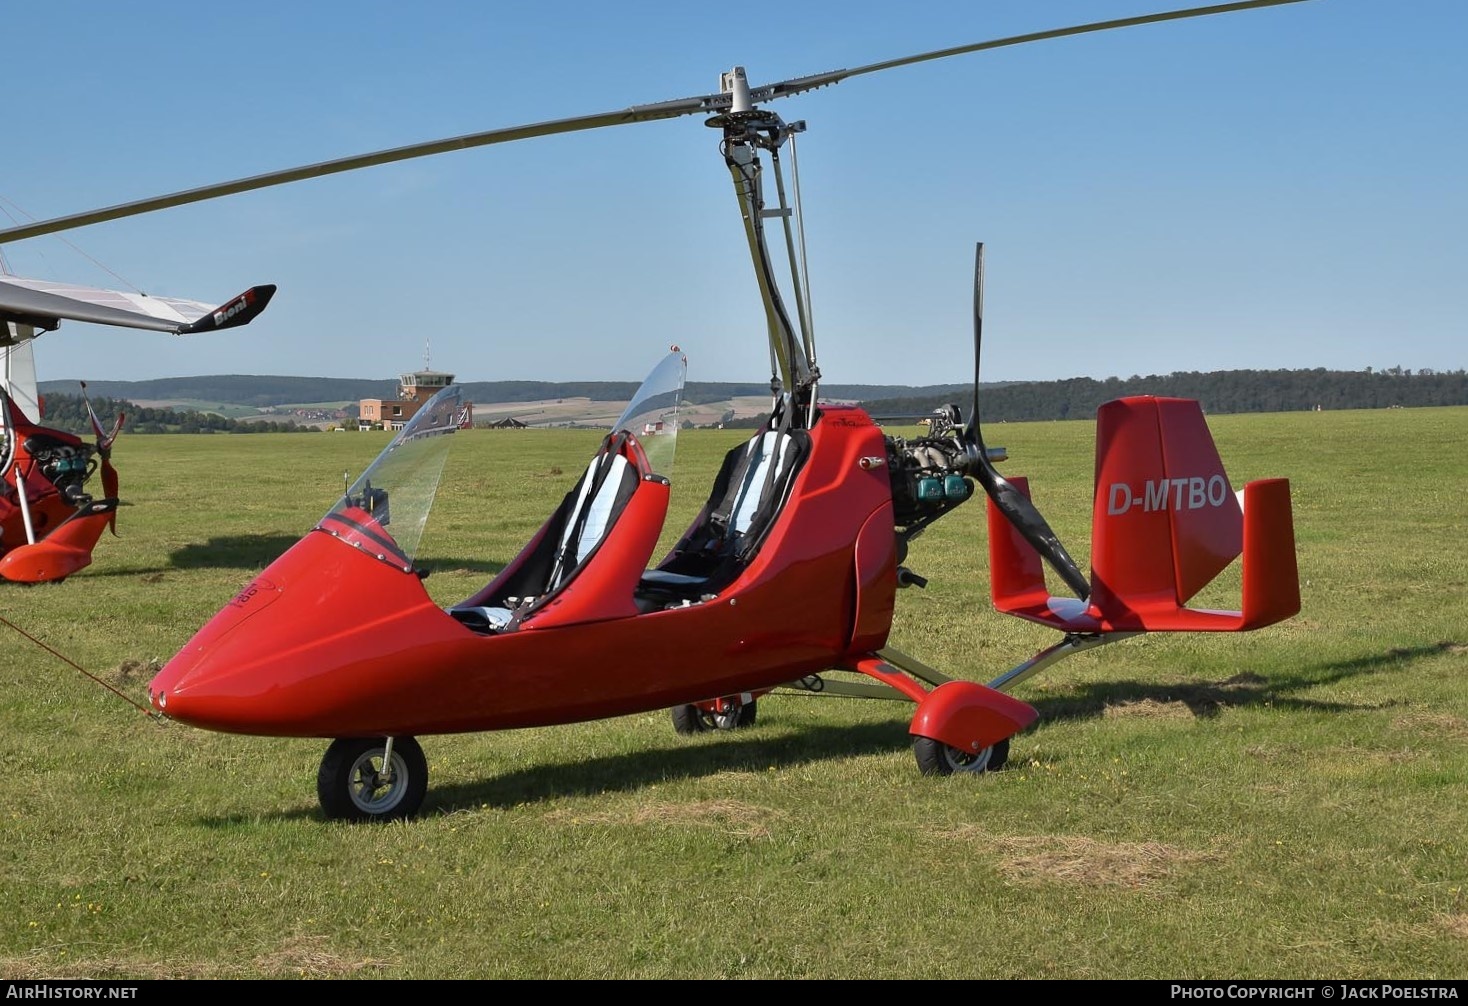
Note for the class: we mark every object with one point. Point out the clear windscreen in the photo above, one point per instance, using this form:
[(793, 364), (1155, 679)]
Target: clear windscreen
[(7, 441), (18, 366), (385, 510), (652, 414)]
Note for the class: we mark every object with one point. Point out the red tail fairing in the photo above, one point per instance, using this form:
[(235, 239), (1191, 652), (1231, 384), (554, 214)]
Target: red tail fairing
[(64, 551), (49, 524), (1165, 523)]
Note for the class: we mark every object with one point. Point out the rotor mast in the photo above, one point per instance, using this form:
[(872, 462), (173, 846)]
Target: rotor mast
[(748, 130)]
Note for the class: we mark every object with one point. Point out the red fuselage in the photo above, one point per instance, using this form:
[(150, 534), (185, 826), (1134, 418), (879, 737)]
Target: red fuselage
[(299, 653)]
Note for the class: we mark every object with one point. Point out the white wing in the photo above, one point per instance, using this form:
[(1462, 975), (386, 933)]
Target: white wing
[(44, 304)]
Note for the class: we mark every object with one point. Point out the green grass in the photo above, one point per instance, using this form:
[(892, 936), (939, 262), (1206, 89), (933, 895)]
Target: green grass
[(1286, 803)]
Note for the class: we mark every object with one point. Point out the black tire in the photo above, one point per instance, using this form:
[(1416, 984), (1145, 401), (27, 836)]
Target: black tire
[(349, 783), (937, 758), (693, 720)]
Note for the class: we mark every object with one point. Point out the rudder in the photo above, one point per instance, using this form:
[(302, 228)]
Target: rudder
[(1165, 522)]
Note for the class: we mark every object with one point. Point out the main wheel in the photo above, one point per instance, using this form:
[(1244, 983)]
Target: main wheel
[(937, 758), (695, 720), (354, 784)]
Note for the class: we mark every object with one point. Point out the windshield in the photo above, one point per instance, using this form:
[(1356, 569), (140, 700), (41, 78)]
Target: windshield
[(384, 511), (7, 442), (652, 414)]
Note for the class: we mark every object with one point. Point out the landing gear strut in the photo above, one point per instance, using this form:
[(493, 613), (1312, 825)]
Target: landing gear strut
[(372, 779)]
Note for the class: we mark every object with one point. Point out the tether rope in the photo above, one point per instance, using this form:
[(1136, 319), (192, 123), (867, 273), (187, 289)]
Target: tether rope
[(65, 659)]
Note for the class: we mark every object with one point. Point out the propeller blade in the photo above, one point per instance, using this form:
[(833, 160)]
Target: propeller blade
[(104, 451), (1013, 504), (104, 438), (109, 491), (705, 104)]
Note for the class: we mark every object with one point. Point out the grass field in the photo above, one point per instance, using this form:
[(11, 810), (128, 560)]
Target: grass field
[(1286, 803)]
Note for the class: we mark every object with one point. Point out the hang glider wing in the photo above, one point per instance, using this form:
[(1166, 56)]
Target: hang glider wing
[(44, 304)]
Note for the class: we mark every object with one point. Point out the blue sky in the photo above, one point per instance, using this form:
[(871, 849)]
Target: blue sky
[(1285, 187)]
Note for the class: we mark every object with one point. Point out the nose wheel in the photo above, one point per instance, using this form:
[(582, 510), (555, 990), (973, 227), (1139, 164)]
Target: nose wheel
[(372, 779), (936, 758)]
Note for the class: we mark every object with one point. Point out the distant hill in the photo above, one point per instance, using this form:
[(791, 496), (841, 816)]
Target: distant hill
[(1076, 398), (259, 391), (235, 389)]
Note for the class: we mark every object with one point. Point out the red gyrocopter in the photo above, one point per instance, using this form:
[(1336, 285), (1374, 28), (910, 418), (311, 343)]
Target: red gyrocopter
[(789, 572)]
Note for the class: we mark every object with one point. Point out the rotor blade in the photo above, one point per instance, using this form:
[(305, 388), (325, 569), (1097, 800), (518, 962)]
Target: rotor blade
[(104, 438), (1013, 504), (637, 113), (707, 104), (1037, 36), (799, 85)]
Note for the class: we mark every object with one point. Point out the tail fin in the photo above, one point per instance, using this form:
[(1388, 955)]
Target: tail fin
[(1165, 522)]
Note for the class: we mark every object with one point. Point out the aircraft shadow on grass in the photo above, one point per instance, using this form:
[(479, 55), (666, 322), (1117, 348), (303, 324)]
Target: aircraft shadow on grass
[(757, 750), (635, 770), (233, 551), (1207, 698)]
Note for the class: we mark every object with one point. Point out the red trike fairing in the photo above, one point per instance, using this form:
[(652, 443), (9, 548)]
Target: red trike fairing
[(49, 522)]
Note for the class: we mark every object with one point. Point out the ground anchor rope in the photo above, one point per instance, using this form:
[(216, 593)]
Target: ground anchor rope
[(67, 660)]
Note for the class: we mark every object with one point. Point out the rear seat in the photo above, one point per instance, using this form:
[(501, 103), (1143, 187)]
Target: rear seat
[(748, 494)]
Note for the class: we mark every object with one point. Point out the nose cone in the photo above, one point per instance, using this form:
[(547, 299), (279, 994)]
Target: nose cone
[(216, 680), (316, 646)]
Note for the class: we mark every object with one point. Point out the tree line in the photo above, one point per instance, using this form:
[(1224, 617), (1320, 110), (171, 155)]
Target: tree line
[(69, 412), (1218, 391)]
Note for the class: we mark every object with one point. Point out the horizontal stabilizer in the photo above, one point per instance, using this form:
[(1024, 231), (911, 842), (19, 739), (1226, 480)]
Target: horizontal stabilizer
[(45, 305)]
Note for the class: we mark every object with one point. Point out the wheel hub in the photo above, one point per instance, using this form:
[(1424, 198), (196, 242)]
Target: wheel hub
[(375, 785)]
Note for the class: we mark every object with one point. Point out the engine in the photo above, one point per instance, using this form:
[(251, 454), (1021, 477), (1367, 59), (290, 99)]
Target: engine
[(65, 466), (929, 474)]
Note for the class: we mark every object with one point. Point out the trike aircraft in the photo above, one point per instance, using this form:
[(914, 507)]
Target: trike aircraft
[(49, 521)]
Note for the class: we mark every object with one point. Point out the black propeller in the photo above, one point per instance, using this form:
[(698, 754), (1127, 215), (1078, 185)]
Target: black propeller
[(708, 104), (1015, 505)]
